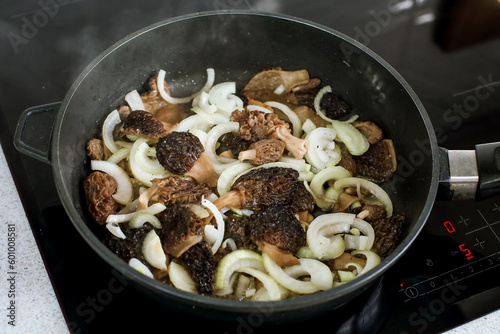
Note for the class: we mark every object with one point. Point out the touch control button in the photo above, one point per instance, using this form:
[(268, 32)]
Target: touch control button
[(411, 292)]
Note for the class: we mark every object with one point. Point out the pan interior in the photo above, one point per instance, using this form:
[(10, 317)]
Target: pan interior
[(237, 46)]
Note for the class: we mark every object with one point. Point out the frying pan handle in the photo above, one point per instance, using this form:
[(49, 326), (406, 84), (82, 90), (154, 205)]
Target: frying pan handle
[(33, 134), (470, 174), (488, 164)]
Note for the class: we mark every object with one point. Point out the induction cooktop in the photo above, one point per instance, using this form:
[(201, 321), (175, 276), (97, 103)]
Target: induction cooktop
[(449, 52)]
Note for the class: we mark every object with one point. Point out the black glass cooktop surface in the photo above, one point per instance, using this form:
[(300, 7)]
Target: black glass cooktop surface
[(448, 51)]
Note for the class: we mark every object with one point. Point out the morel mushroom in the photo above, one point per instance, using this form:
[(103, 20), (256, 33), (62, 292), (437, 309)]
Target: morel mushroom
[(387, 234), (263, 151), (200, 263), (276, 231), (182, 237), (131, 246), (182, 153), (260, 188), (379, 162), (256, 125), (144, 124), (238, 229), (370, 130), (174, 189), (181, 229), (95, 149), (99, 188), (269, 84), (333, 106)]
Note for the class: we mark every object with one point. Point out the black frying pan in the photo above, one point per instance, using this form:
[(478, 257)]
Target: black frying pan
[(238, 44)]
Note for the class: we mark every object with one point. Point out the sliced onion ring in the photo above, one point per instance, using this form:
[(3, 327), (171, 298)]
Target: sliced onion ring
[(372, 259), (125, 217), (323, 234), (153, 251), (124, 191), (134, 100), (140, 267), (140, 218), (375, 189), (211, 142), (220, 223), (241, 258), (180, 278), (272, 287), (292, 116), (317, 102), (108, 127), (137, 171), (321, 275), (177, 100)]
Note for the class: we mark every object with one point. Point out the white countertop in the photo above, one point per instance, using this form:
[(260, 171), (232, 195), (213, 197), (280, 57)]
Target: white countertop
[(36, 307)]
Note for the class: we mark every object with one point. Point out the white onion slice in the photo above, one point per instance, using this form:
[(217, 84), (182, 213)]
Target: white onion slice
[(323, 234), (372, 259), (180, 278), (134, 100), (119, 155), (140, 267), (321, 152), (149, 165), (137, 171), (358, 242), (124, 190), (292, 116), (153, 251), (220, 224), (108, 127), (177, 100), (273, 289), (203, 103), (228, 176), (222, 95), (321, 275), (125, 217), (328, 174), (140, 218), (193, 122), (253, 107), (233, 261), (355, 142), (375, 189), (229, 242), (308, 126), (367, 229), (116, 230), (214, 134), (279, 90), (317, 102)]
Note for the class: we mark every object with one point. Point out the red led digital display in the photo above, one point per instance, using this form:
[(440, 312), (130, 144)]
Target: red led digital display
[(449, 227), (468, 254)]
